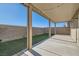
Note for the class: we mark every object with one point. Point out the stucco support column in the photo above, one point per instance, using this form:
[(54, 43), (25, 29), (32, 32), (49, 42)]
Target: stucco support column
[(55, 28), (78, 20), (49, 28), (29, 29), (78, 30)]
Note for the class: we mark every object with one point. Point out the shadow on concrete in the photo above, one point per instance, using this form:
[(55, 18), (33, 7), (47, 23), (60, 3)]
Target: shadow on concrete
[(35, 53)]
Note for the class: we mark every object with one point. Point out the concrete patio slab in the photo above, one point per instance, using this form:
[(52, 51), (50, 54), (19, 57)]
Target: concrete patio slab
[(64, 38), (44, 52), (52, 47)]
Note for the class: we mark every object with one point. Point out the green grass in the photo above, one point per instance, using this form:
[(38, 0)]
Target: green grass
[(38, 38), (12, 47)]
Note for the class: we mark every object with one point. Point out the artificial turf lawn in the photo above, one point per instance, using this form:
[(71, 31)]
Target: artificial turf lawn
[(12, 47)]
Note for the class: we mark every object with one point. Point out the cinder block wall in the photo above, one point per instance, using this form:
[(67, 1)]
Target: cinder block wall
[(37, 31), (63, 30), (8, 33), (59, 30)]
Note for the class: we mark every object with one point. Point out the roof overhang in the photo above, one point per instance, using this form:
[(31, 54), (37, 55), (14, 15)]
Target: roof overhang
[(56, 12)]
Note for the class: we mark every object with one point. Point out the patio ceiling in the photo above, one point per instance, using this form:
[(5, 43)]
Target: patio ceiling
[(56, 12)]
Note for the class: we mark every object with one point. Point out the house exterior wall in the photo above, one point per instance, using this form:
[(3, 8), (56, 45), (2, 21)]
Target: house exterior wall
[(75, 29), (78, 36), (73, 26), (78, 31)]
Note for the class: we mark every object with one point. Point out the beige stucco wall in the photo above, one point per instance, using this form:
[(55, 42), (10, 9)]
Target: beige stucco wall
[(78, 36), (78, 31), (73, 26), (75, 30), (73, 34)]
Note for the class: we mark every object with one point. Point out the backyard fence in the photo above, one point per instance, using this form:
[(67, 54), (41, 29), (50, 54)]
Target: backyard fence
[(8, 33)]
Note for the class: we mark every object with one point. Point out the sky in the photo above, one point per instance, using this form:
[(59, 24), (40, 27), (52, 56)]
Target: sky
[(16, 14)]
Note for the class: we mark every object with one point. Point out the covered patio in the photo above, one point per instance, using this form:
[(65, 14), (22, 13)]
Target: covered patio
[(57, 45)]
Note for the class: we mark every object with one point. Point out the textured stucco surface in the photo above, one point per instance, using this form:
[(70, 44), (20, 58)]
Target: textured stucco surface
[(73, 26)]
